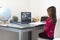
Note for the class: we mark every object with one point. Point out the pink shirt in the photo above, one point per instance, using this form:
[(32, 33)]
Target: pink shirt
[(49, 29)]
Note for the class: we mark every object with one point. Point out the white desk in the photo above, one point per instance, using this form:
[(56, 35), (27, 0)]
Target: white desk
[(19, 30)]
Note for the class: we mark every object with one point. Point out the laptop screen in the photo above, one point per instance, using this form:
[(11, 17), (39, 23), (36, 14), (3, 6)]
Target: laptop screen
[(25, 17)]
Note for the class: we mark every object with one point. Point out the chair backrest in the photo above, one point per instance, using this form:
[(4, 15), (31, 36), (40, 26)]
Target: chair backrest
[(57, 29)]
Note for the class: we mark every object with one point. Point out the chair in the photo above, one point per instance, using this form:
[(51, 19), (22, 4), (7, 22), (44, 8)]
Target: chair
[(42, 39), (57, 30)]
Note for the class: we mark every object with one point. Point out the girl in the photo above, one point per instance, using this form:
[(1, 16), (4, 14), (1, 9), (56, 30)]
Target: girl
[(50, 24)]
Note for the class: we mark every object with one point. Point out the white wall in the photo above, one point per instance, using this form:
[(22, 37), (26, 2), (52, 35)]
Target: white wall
[(16, 6), (37, 7)]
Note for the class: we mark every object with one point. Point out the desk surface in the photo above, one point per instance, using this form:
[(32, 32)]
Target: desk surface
[(25, 26)]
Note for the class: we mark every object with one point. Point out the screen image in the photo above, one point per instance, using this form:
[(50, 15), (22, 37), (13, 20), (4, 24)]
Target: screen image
[(25, 17)]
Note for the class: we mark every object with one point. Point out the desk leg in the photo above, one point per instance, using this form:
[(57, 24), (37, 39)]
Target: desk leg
[(30, 35), (20, 35)]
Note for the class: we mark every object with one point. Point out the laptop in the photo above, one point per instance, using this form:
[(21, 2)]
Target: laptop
[(25, 17)]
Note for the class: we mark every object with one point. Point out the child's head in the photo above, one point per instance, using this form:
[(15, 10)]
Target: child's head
[(52, 13)]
